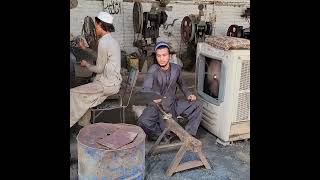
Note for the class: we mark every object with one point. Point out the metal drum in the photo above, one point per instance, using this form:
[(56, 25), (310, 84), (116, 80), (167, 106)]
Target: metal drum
[(99, 162)]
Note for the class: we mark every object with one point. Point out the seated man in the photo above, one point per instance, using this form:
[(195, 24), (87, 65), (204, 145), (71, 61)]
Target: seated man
[(163, 79), (108, 78)]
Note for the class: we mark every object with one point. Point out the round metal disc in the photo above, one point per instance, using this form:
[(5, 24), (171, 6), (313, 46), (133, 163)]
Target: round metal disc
[(137, 17), (89, 32), (232, 31), (187, 29), (213, 77), (201, 6)]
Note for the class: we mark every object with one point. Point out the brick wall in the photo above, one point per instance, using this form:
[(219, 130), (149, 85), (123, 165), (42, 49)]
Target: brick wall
[(224, 14)]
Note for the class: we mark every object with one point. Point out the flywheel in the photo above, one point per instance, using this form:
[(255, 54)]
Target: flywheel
[(137, 17)]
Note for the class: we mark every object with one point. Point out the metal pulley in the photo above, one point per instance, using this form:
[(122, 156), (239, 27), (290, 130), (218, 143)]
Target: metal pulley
[(137, 17), (188, 29), (209, 28), (234, 31), (89, 32), (238, 31), (193, 28)]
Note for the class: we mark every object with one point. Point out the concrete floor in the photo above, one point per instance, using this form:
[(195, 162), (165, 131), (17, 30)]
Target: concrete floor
[(227, 162)]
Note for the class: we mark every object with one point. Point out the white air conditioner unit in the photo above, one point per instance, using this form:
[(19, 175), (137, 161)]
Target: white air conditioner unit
[(223, 85)]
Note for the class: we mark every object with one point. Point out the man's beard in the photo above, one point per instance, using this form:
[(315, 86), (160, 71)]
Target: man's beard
[(164, 65)]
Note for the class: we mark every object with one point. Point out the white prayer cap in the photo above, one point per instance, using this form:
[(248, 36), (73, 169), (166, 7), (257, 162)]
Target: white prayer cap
[(105, 17)]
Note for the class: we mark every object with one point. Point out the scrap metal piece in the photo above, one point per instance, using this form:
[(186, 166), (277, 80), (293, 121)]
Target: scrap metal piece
[(117, 139)]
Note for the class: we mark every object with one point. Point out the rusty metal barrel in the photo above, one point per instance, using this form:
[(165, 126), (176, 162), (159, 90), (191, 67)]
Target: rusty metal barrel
[(97, 161)]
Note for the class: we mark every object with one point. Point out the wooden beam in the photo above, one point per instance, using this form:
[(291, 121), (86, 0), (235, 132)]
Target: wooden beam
[(203, 160), (188, 142), (170, 145), (173, 166), (189, 165), (239, 128), (166, 147)]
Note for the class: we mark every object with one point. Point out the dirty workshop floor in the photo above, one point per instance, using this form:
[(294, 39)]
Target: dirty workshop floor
[(227, 162)]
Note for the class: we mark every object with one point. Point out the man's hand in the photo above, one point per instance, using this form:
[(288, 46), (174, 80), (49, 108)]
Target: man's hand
[(81, 44), (192, 97), (157, 101), (83, 63)]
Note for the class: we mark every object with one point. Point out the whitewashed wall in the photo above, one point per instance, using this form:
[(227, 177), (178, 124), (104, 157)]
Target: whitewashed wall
[(223, 14)]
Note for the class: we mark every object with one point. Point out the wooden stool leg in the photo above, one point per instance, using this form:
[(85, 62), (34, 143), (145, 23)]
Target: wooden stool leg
[(174, 164), (203, 159), (158, 141)]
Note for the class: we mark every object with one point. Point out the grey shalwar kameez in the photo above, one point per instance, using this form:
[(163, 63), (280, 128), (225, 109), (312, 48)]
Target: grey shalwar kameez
[(164, 84)]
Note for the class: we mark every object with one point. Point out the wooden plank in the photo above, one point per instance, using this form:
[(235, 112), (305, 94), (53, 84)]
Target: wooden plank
[(189, 165), (166, 147), (203, 160), (188, 142), (157, 142), (183, 135), (240, 128), (173, 166), (239, 137), (170, 145)]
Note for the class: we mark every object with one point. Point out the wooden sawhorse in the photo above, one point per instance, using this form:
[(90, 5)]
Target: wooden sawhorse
[(188, 143)]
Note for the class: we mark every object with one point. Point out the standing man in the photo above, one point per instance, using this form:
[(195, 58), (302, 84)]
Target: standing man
[(163, 79), (108, 78)]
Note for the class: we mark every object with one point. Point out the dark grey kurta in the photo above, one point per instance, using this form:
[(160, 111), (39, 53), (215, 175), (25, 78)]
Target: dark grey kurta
[(164, 84)]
